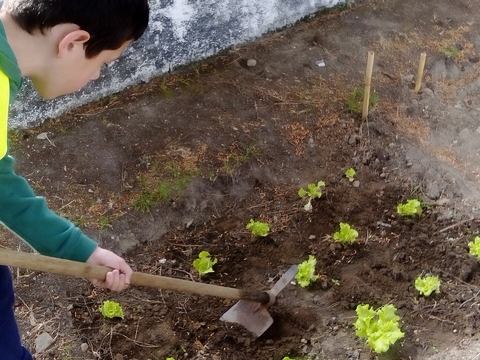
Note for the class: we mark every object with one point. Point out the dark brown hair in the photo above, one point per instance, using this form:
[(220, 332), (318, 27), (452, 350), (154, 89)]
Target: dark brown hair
[(110, 23)]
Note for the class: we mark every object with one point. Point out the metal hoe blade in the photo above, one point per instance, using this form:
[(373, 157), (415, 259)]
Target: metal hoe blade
[(254, 316)]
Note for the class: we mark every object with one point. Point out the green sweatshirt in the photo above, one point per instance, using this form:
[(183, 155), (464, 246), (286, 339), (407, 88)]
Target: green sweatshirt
[(21, 211)]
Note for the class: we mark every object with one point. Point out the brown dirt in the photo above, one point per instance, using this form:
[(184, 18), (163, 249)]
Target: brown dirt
[(204, 150)]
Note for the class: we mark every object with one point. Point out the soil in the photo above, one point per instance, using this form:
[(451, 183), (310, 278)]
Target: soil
[(180, 165)]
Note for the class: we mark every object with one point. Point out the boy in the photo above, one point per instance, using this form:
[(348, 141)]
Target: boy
[(61, 45)]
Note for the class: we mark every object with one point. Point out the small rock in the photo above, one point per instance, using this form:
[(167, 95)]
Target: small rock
[(408, 79), (433, 190), (118, 357), (446, 215), (356, 184), (428, 92), (312, 237), (353, 139), (443, 202), (465, 134), (42, 342), (251, 62), (474, 58), (84, 347), (466, 272)]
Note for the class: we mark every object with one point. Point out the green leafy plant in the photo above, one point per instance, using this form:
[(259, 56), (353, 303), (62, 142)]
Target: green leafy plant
[(258, 228), (350, 174), (311, 192), (204, 263), (474, 246), (306, 272), (111, 309), (346, 234), (170, 358), (427, 285), (410, 208), (379, 327)]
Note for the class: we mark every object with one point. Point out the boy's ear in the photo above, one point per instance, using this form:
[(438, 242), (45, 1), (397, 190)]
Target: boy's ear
[(72, 41)]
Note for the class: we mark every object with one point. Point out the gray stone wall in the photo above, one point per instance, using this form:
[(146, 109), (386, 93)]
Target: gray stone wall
[(180, 32)]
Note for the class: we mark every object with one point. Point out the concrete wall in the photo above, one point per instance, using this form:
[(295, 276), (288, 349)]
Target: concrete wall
[(180, 31)]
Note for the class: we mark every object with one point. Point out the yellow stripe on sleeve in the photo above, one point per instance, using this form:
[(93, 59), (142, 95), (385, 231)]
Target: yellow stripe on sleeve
[(4, 102)]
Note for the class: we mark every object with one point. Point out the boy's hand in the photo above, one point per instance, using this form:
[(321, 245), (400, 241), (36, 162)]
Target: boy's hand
[(117, 279)]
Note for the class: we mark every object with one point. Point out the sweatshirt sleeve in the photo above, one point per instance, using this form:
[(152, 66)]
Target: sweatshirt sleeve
[(29, 217)]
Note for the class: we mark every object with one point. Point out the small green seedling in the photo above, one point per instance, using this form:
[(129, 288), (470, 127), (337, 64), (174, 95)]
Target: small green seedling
[(427, 285), (111, 309), (306, 272), (313, 191), (258, 228), (204, 263), (474, 246), (346, 234), (170, 358), (289, 358), (350, 174), (410, 208), (336, 282), (379, 327)]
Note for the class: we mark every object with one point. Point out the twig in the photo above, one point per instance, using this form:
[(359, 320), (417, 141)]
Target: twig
[(442, 320), (476, 356), (472, 298), (454, 225)]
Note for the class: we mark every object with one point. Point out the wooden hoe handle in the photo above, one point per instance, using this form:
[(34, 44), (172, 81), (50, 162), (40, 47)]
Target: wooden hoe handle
[(74, 268)]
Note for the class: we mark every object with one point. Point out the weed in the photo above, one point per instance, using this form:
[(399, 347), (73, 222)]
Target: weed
[(175, 179), (450, 52), (355, 100), (347, 5), (164, 90), (15, 136), (232, 161), (79, 221), (145, 201), (105, 221)]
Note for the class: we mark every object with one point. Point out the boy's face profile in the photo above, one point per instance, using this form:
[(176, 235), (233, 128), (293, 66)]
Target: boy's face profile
[(67, 69)]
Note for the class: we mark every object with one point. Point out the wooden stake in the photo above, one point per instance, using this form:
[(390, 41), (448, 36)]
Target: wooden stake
[(368, 81), (421, 65)]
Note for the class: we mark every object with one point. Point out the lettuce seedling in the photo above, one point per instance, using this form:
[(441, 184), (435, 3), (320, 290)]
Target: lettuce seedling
[(474, 246), (346, 234), (111, 309), (170, 358), (258, 228), (427, 285), (204, 263), (350, 174), (379, 327), (313, 191), (306, 272), (410, 208)]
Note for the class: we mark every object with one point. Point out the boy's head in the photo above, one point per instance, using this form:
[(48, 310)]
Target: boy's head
[(110, 23), (67, 42)]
